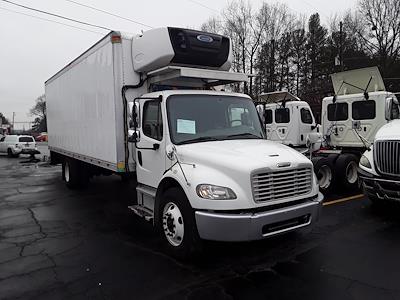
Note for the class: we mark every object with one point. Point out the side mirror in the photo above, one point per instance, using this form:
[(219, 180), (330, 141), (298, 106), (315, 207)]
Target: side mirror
[(133, 136), (388, 108), (170, 151), (134, 115), (314, 141)]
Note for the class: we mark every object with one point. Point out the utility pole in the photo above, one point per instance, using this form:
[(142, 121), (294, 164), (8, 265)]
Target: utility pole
[(341, 46), (13, 122)]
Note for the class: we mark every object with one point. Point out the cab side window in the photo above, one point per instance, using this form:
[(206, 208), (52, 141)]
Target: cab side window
[(282, 115), (2, 139), (363, 110), (268, 116), (306, 116), (152, 120), (338, 112)]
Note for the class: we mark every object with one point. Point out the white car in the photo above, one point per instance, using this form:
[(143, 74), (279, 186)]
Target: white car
[(14, 145)]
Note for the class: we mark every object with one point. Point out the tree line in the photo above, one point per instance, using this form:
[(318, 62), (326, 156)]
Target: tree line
[(288, 51)]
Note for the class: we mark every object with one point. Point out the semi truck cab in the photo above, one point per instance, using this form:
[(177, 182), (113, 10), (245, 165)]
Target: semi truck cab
[(379, 168), (288, 119)]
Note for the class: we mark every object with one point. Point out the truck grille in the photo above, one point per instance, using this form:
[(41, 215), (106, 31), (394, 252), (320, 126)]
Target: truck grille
[(387, 157), (278, 185)]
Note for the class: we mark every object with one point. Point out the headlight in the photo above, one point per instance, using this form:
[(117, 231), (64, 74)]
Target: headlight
[(365, 162), (215, 192)]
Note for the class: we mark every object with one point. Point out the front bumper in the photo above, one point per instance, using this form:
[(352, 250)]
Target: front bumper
[(378, 187), (255, 226), (25, 151)]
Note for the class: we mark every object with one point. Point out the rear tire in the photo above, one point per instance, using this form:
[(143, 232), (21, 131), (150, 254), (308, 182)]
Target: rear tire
[(74, 174), (346, 171), (323, 169), (177, 225), (9, 153)]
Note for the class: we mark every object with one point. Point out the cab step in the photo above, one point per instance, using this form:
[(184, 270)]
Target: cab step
[(142, 211)]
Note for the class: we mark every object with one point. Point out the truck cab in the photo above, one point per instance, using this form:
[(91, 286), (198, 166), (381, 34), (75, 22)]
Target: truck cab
[(288, 119), (350, 120), (210, 148), (379, 168)]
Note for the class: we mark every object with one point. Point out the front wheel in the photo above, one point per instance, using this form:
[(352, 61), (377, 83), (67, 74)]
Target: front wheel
[(178, 225), (11, 154)]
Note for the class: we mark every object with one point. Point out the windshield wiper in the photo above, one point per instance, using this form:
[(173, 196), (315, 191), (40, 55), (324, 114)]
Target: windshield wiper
[(246, 134), (198, 140)]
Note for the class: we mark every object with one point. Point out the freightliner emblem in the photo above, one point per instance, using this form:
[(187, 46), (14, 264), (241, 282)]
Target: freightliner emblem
[(205, 38)]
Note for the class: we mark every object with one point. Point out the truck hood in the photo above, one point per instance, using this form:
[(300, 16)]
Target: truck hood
[(241, 155), (390, 131)]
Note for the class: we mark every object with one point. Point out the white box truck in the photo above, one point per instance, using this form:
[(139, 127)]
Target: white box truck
[(145, 105)]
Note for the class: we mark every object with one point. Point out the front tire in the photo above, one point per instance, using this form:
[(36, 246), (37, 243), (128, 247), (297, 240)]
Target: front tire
[(177, 225), (10, 154)]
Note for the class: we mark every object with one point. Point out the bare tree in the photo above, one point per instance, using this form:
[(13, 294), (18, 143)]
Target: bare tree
[(213, 25), (39, 110), (237, 26), (380, 29)]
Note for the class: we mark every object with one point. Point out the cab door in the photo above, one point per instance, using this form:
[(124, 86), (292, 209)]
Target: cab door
[(282, 123), (364, 117), (2, 144), (150, 149), (307, 123)]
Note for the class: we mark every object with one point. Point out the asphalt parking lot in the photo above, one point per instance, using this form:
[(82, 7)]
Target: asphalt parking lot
[(61, 244)]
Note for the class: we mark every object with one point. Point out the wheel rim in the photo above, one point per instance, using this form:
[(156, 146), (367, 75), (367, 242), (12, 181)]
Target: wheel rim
[(324, 177), (66, 172), (351, 172), (173, 224)]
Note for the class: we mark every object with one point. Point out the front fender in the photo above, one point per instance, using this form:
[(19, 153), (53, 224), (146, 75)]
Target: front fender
[(200, 174), (370, 156)]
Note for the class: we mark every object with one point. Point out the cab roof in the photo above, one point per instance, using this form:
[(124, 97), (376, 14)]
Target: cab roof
[(277, 96)]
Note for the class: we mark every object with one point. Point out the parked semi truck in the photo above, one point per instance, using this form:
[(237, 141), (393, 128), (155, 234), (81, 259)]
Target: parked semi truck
[(288, 119), (349, 121), (379, 168), (144, 105)]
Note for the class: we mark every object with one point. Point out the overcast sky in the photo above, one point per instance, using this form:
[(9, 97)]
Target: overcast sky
[(32, 50)]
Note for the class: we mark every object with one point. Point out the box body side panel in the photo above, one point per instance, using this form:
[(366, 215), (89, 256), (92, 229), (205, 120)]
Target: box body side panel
[(81, 106)]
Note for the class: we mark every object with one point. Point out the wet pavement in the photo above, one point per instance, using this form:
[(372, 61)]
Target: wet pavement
[(61, 244)]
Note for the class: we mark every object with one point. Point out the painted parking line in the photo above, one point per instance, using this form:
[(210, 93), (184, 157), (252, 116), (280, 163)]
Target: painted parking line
[(359, 196)]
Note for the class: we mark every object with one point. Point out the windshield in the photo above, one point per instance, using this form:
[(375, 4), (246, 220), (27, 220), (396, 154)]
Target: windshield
[(197, 118), (395, 110), (25, 139)]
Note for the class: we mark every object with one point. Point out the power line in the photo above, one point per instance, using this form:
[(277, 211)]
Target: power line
[(48, 20), (55, 15), (312, 6), (108, 13), (205, 6)]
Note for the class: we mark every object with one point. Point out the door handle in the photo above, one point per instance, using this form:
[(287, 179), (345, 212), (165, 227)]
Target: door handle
[(140, 160)]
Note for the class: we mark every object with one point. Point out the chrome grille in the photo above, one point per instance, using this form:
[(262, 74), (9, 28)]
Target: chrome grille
[(278, 185), (387, 157)]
